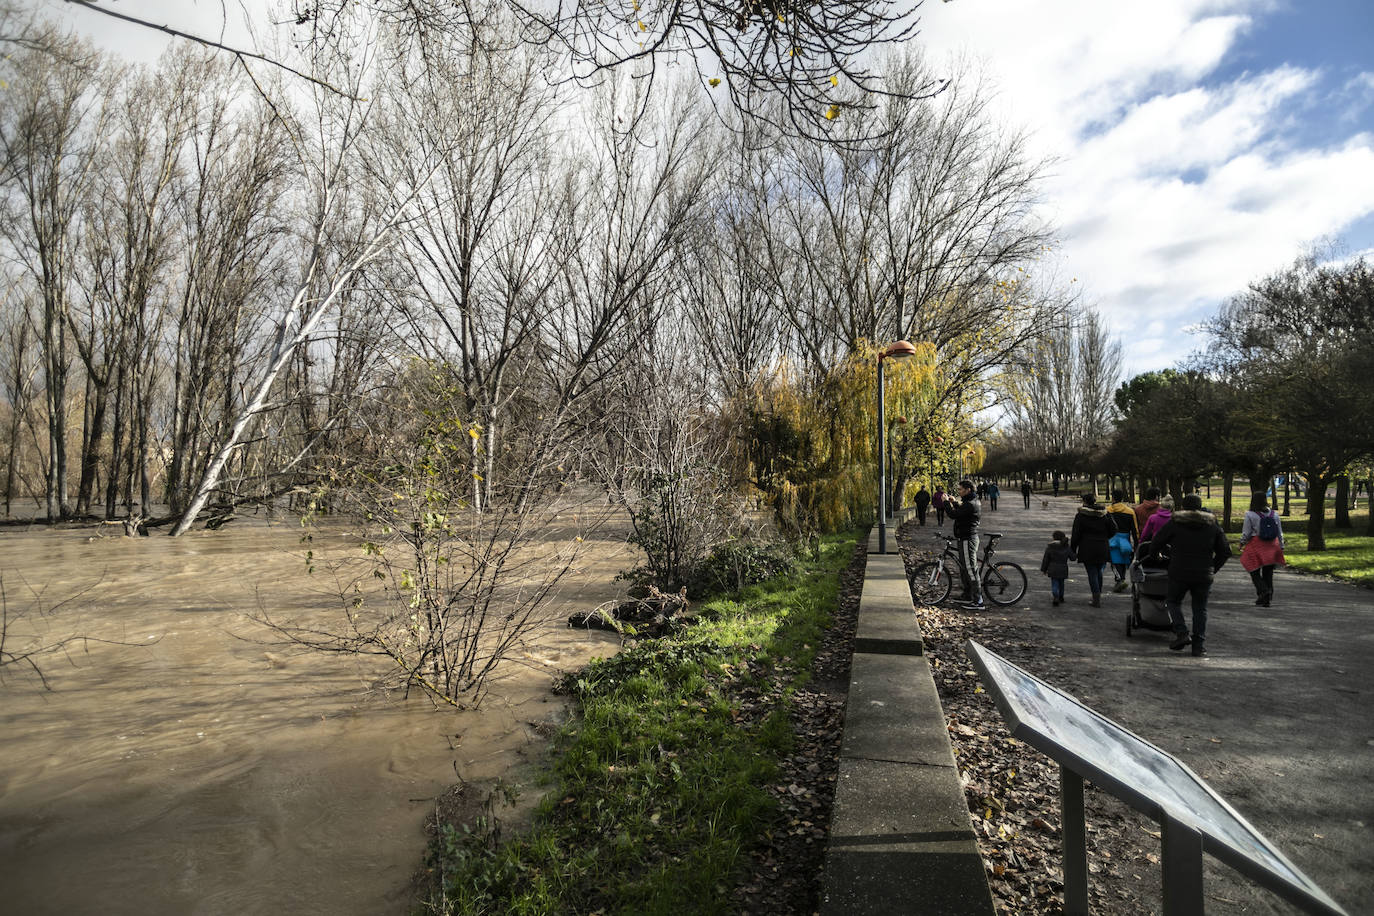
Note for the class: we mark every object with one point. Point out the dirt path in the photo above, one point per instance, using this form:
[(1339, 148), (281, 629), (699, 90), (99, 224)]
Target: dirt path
[(1278, 719)]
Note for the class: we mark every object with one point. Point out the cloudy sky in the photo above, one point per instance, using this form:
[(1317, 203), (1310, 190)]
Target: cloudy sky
[(1197, 144)]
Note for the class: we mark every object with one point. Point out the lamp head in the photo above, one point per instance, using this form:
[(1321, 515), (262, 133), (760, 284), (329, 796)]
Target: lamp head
[(899, 350)]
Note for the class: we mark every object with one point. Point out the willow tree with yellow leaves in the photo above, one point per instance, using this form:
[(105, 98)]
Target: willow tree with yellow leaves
[(812, 447)]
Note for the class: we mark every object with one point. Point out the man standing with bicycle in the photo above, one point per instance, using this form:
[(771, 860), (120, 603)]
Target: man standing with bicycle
[(965, 516)]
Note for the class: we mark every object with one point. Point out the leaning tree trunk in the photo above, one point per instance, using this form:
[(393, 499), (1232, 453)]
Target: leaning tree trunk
[(300, 321)]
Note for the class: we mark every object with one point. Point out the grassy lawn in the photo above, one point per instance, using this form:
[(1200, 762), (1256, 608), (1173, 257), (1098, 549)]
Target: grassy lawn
[(657, 788), (1349, 551)]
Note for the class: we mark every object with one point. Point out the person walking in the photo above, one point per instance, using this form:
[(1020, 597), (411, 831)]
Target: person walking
[(1261, 547), (1092, 532), (993, 492), (1055, 564), (940, 502), (922, 500), (1123, 543), (1158, 520), (1197, 549), (1026, 492), (1146, 508), (965, 515)]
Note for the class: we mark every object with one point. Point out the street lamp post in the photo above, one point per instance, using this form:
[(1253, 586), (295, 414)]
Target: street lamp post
[(899, 350)]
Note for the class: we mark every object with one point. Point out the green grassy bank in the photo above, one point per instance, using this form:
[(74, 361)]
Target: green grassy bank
[(657, 788)]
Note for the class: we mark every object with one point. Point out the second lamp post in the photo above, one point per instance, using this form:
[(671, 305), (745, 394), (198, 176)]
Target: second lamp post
[(900, 350)]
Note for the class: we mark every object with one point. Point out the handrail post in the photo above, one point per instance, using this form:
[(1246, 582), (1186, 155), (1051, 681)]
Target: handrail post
[(1182, 848), (1075, 833)]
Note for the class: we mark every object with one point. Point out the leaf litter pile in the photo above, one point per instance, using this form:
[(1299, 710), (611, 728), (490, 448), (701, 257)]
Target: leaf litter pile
[(1013, 790)]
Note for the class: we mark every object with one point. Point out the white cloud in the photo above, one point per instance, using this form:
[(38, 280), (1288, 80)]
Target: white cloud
[(1172, 192)]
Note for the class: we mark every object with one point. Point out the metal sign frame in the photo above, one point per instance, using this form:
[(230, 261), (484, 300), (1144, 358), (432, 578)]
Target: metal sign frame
[(1193, 818)]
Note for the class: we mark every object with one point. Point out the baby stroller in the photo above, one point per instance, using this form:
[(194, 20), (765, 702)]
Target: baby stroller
[(1149, 588)]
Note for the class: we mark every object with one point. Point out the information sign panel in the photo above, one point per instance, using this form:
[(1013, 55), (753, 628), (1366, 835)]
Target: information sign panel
[(1149, 779)]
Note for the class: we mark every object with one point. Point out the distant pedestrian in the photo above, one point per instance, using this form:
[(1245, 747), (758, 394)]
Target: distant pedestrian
[(1092, 532), (922, 500), (1026, 491), (993, 492), (941, 502), (1196, 548), (1056, 487), (965, 515), (1261, 547), (1055, 564)]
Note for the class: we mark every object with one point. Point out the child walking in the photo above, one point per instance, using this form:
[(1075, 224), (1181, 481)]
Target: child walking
[(1055, 564)]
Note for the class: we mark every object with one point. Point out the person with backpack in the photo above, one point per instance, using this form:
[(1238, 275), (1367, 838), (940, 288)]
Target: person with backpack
[(1261, 547), (1123, 543), (939, 501), (1055, 564)]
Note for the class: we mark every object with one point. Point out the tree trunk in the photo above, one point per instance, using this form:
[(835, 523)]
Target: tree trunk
[(91, 436), (1342, 501), (1316, 511), (1227, 479), (1369, 504)]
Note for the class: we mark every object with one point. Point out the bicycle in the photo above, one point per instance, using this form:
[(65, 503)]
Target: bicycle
[(1004, 582)]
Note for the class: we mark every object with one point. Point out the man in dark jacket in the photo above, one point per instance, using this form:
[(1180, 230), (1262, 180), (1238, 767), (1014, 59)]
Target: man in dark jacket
[(922, 504), (1090, 539), (965, 514), (1196, 548)]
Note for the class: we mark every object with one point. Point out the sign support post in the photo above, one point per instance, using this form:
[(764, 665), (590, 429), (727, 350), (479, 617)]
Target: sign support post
[(1075, 843), (1182, 849)]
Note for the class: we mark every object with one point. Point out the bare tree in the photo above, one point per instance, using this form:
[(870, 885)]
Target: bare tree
[(796, 64), (345, 229), (1062, 384), (230, 213), (52, 125), (19, 370)]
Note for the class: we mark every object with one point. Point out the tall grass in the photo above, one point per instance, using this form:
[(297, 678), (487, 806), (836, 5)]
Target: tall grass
[(658, 788)]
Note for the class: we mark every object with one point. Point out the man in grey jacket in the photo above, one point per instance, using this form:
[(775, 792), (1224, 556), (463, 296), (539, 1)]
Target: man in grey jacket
[(1196, 548)]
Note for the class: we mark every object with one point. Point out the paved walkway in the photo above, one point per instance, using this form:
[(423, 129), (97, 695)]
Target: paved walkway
[(1279, 719)]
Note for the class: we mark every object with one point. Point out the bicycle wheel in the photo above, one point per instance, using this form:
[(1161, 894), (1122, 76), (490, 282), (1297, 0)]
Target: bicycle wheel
[(1004, 583), (931, 584)]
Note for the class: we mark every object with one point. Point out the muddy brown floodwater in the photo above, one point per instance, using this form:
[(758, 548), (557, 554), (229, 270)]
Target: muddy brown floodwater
[(204, 770)]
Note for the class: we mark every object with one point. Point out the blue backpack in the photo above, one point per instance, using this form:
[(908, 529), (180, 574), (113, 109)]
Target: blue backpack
[(1268, 526)]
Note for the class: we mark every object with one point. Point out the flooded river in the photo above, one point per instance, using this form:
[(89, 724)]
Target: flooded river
[(199, 768)]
